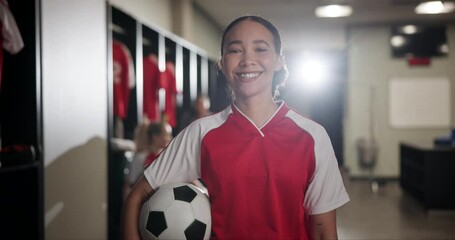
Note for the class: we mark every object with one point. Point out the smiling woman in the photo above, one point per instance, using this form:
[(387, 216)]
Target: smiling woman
[(258, 146), (261, 49), (249, 62)]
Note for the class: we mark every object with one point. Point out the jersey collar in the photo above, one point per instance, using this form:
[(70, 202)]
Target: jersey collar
[(248, 125)]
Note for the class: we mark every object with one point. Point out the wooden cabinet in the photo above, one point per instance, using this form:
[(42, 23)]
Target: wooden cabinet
[(428, 173)]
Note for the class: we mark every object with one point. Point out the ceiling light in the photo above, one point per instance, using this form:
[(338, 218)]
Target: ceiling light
[(333, 11), (409, 29), (434, 7), (398, 41)]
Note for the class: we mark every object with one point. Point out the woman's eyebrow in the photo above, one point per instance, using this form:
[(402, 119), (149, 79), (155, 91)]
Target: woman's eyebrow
[(233, 42), (261, 41)]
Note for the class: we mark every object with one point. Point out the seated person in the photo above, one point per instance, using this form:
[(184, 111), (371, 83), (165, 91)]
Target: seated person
[(151, 138)]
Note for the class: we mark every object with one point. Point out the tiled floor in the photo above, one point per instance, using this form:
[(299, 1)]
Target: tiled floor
[(390, 214)]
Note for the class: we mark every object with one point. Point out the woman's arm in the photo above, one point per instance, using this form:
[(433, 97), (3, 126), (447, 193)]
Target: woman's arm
[(323, 226), (132, 207)]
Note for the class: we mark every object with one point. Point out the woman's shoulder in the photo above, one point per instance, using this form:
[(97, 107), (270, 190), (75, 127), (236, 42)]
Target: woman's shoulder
[(214, 117), (209, 122), (306, 123)]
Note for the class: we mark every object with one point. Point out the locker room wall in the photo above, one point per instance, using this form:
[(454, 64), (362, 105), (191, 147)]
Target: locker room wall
[(370, 66), (154, 13), (74, 83), (161, 15)]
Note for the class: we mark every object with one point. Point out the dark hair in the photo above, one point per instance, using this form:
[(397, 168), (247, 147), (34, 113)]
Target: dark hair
[(280, 76), (272, 29)]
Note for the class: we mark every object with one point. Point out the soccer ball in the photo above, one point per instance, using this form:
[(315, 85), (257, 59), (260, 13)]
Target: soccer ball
[(176, 211)]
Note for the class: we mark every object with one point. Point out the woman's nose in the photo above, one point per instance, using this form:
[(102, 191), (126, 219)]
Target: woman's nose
[(248, 58)]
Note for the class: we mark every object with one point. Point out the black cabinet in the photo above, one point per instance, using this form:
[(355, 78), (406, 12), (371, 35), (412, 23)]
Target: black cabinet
[(427, 173), (21, 160), (20, 206)]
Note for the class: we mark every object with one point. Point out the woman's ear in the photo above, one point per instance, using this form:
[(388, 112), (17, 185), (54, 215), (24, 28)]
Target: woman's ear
[(219, 65), (280, 63)]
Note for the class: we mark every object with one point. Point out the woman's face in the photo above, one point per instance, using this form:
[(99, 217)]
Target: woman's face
[(250, 60)]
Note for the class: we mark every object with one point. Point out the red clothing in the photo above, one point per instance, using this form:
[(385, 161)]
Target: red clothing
[(169, 85), (263, 182), (151, 86), (150, 158), (124, 75), (266, 176)]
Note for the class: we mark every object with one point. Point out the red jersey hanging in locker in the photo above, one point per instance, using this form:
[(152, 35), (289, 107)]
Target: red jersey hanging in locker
[(124, 75), (10, 37), (169, 85), (151, 87)]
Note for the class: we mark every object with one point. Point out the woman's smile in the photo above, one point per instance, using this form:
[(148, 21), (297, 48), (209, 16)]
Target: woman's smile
[(248, 76)]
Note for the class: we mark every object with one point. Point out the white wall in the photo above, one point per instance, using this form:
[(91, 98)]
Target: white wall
[(160, 15), (313, 36), (206, 34), (371, 66), (74, 84), (153, 13)]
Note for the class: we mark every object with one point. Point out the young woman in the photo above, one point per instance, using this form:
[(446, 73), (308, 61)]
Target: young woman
[(270, 173)]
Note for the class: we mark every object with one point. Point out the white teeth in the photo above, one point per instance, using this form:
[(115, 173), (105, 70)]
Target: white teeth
[(249, 75)]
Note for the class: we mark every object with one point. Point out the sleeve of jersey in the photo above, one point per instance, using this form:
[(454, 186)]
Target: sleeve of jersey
[(179, 162), (326, 191), (136, 167)]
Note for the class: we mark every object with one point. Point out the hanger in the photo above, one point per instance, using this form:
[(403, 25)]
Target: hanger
[(117, 29)]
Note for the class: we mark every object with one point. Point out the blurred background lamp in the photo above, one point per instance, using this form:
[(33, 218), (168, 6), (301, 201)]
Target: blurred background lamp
[(333, 11), (409, 29), (435, 7), (444, 48), (397, 41)]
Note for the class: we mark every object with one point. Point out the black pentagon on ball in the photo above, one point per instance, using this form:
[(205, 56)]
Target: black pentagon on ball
[(156, 223), (196, 230), (184, 193)]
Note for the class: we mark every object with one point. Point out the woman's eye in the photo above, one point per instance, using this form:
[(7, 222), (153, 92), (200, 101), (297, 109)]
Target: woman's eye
[(234, 51), (261, 50)]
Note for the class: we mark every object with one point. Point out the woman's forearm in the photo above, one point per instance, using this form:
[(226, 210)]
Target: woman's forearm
[(132, 207)]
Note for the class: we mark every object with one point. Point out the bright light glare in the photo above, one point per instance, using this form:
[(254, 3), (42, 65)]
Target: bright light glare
[(434, 7), (409, 29), (333, 11), (314, 72), (397, 41), (444, 48)]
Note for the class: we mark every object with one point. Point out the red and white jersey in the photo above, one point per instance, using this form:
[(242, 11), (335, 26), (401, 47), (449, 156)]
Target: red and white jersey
[(263, 182), (124, 78), (168, 83), (152, 85), (150, 158), (10, 36)]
